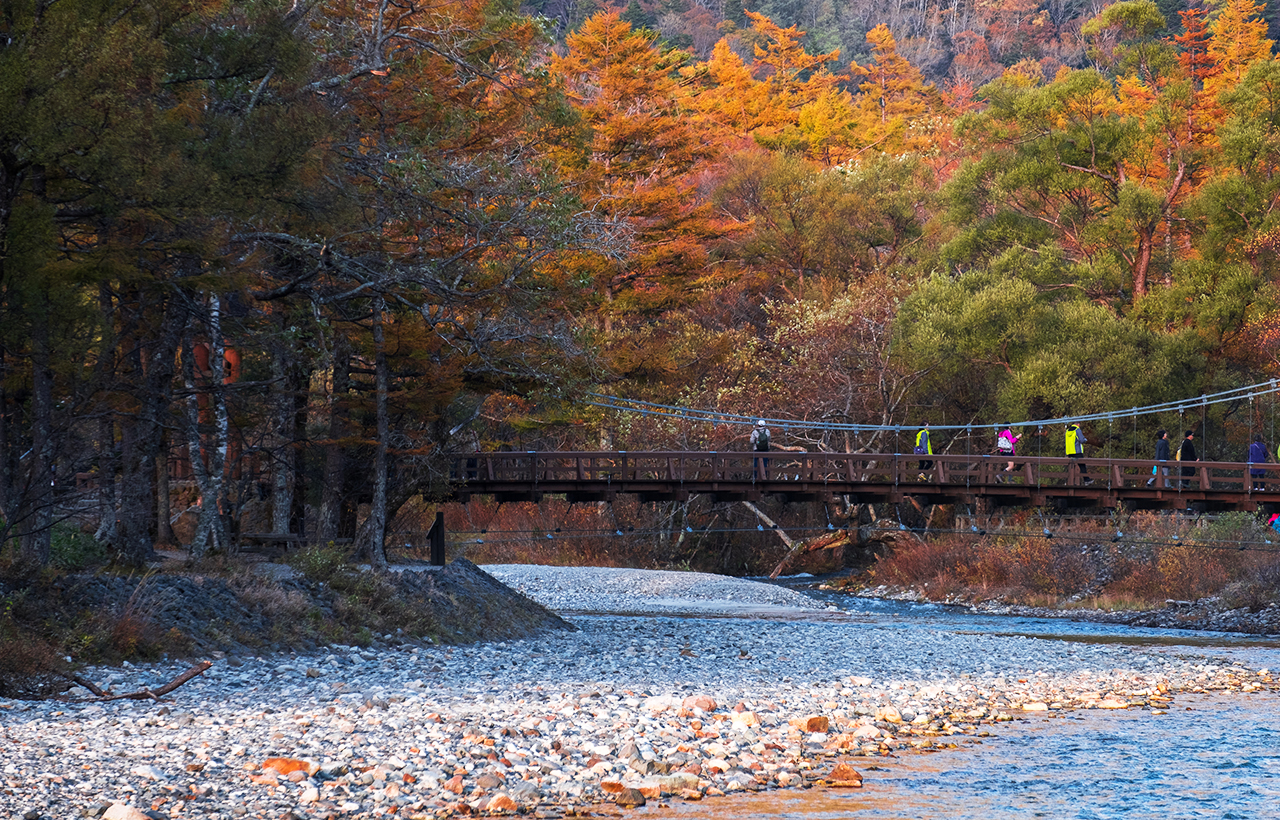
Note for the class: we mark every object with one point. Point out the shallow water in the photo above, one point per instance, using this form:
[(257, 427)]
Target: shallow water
[(1210, 756)]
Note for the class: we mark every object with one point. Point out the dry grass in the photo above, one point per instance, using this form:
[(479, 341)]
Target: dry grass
[(1159, 558)]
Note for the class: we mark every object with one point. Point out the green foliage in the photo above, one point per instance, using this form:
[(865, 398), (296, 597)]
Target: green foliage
[(1237, 527), (75, 550), (320, 563), (1000, 345)]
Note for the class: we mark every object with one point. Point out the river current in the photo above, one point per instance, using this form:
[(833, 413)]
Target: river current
[(1209, 756)]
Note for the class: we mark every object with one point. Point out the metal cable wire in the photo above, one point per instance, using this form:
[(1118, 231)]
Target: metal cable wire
[(608, 402)]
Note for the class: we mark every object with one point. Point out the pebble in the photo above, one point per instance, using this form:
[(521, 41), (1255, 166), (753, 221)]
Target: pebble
[(626, 710)]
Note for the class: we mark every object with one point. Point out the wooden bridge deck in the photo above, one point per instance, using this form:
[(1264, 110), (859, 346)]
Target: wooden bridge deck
[(865, 477)]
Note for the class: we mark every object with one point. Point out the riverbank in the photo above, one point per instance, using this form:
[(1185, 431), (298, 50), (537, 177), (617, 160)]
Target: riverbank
[(1212, 614), (758, 689)]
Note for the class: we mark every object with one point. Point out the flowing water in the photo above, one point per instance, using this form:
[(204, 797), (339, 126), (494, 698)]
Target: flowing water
[(1210, 756)]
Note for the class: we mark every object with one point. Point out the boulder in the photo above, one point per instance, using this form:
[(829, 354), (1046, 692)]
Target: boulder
[(630, 798), (703, 702), (811, 723)]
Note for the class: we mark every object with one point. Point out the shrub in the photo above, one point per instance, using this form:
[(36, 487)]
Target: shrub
[(71, 549), (319, 563)]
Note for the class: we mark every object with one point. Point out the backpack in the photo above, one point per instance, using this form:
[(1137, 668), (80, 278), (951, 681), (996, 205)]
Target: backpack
[(1004, 444), (762, 439)]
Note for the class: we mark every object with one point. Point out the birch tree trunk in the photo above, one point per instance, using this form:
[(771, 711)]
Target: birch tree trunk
[(208, 463)]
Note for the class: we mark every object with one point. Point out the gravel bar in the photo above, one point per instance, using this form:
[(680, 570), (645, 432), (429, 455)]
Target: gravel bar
[(673, 704)]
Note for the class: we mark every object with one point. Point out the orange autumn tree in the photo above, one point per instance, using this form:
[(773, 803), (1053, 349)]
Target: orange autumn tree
[(1239, 41), (894, 100), (794, 79), (634, 165)]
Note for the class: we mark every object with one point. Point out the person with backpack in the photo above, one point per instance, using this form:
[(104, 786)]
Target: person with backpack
[(1075, 448), (924, 447), (1007, 445), (760, 444), (1258, 455)]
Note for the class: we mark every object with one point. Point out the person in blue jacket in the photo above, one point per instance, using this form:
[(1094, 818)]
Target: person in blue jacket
[(1258, 455)]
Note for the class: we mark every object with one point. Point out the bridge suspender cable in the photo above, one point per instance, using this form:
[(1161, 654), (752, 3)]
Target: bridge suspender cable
[(1202, 402)]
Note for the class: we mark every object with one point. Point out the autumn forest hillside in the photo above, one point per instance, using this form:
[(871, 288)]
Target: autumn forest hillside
[(264, 265)]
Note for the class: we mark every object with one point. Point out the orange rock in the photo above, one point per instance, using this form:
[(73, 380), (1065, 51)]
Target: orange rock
[(288, 765), (844, 773), (811, 723), (692, 768), (501, 802), (454, 784), (611, 787), (269, 779), (703, 702)]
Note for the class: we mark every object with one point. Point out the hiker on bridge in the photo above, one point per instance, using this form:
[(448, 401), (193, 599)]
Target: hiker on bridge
[(924, 447), (1075, 448), (1007, 445), (1187, 453), (760, 444), (1162, 454), (1258, 455)]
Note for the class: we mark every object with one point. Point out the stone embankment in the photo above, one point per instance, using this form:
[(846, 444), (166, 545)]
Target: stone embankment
[(623, 710)]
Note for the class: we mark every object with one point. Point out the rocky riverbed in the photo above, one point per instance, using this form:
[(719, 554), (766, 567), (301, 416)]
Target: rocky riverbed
[(759, 688)]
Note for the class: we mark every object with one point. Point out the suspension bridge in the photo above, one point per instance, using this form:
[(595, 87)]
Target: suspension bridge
[(975, 477), (870, 478)]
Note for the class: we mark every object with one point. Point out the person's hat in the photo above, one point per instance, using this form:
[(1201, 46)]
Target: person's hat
[(760, 422)]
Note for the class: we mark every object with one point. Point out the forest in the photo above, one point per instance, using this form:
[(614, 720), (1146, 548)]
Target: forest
[(265, 266)]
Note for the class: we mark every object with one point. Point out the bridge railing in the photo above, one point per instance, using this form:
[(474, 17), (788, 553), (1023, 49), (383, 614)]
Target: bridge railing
[(534, 468)]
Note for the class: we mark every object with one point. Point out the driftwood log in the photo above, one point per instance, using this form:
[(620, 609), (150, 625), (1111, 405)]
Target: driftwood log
[(101, 696), (826, 541)]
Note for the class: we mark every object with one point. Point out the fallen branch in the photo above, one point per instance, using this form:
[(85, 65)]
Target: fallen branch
[(786, 539), (827, 541), (141, 694)]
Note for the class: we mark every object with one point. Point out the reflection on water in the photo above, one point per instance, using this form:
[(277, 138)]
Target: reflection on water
[(1210, 757)]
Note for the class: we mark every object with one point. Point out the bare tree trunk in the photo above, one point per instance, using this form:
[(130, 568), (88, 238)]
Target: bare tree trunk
[(6, 474), (375, 534), (335, 466), (164, 503), (141, 432), (282, 447), (36, 528), (207, 463)]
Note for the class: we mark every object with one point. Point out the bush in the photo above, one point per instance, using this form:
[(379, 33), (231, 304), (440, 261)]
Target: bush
[(320, 563), (73, 550)]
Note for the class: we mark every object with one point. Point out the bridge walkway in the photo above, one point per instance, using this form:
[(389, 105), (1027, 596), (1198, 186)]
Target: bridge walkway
[(870, 478)]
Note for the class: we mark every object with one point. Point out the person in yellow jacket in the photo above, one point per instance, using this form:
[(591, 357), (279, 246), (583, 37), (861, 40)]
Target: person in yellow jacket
[(1075, 448), (924, 447)]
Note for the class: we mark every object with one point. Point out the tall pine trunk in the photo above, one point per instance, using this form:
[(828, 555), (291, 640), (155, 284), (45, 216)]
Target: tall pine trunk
[(373, 537), (283, 458), (333, 494), (152, 363)]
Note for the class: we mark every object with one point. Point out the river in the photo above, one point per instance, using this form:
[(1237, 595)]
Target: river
[(1209, 756)]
